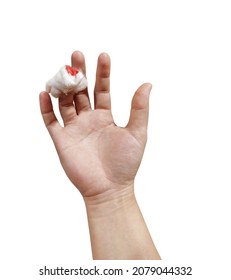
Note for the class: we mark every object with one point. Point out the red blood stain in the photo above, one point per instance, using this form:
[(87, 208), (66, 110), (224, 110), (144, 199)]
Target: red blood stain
[(71, 70)]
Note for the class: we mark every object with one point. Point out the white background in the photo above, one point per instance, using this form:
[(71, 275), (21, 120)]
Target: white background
[(184, 49)]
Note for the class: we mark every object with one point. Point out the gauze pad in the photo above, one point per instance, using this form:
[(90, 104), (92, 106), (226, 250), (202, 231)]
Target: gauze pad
[(67, 81)]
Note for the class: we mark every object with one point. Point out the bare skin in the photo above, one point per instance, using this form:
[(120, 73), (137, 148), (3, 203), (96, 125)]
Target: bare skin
[(101, 160)]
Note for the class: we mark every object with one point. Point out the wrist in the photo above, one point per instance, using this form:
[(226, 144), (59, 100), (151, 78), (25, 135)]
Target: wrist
[(110, 201)]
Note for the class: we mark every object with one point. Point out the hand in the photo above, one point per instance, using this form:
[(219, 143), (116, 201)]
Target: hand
[(97, 155)]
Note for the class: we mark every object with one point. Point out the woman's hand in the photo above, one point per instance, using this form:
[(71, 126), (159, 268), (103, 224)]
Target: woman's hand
[(97, 155)]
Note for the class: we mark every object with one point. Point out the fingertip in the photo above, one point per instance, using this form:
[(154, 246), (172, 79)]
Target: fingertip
[(103, 66), (141, 97), (42, 94), (104, 55), (145, 88), (76, 55), (78, 61), (149, 85), (45, 102), (104, 59)]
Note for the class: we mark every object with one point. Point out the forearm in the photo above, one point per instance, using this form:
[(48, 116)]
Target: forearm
[(117, 228)]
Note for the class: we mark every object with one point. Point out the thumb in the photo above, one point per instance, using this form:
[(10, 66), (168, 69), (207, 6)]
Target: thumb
[(140, 108)]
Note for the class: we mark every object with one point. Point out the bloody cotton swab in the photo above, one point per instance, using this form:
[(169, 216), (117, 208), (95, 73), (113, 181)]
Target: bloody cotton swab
[(67, 81)]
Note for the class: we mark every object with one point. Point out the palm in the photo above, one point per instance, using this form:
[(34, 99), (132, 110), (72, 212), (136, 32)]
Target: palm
[(96, 154)]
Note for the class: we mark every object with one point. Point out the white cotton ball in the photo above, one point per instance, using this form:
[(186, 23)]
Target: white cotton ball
[(67, 81)]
